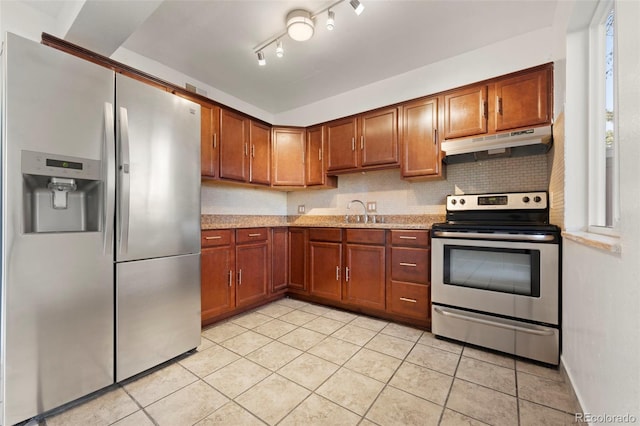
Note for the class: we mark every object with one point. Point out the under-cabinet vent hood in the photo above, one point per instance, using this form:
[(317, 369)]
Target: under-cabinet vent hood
[(512, 144)]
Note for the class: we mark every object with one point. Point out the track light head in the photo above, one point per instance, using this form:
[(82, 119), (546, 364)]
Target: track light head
[(279, 49), (357, 6), (331, 20), (261, 61)]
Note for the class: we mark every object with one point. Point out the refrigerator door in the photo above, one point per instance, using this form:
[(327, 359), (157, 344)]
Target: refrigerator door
[(158, 142), (157, 311), (57, 287)]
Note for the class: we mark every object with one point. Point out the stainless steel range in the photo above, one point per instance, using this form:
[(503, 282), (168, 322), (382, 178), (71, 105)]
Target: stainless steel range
[(496, 275)]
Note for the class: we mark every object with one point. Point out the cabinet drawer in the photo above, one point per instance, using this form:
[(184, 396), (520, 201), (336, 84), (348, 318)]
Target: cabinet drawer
[(325, 234), (410, 264), (215, 237), (409, 300), (410, 238), (366, 236), (250, 235)]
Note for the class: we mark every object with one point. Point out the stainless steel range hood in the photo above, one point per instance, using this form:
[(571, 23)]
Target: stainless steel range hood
[(536, 140)]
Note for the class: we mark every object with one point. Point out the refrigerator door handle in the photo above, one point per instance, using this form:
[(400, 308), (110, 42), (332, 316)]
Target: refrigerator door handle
[(109, 177), (125, 180)]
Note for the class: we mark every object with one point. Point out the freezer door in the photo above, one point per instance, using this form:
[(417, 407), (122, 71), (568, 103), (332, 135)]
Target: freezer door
[(157, 311), (57, 287), (158, 142)]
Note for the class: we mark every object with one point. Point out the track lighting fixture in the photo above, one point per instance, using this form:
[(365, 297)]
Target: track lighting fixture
[(300, 26), (357, 6), (331, 20)]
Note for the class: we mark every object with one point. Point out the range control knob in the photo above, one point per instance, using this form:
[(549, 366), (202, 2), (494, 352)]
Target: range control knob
[(462, 201), (537, 199), (525, 199), (453, 201)]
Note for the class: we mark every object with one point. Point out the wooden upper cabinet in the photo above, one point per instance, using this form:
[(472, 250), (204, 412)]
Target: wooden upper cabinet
[(341, 144), (466, 112), (288, 156), (378, 137), (523, 100), (210, 116), (315, 156), (420, 144), (234, 146), (259, 153)]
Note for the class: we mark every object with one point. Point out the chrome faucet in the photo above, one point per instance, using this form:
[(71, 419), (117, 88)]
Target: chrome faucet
[(364, 208)]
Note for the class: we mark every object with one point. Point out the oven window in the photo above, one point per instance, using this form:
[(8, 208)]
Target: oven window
[(514, 271)]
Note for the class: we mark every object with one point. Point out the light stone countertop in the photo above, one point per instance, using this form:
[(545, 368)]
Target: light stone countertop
[(309, 221)]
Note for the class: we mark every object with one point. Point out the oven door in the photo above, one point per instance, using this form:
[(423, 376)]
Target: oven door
[(512, 279)]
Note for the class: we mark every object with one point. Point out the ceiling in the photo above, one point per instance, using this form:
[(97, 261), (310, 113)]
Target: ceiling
[(213, 41)]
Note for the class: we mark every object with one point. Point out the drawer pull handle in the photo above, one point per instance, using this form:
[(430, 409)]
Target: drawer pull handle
[(346, 274), (405, 237), (230, 278), (337, 273), (217, 237), (240, 277), (254, 235), (413, 265), (405, 299)]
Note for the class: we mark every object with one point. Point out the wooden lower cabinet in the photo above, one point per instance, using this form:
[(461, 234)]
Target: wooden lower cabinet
[(218, 291), (325, 269), (252, 273), (409, 289), (365, 275), (217, 267), (235, 271), (297, 260), (279, 259)]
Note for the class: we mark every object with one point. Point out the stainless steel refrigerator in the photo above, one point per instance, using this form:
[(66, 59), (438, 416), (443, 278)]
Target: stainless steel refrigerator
[(100, 228)]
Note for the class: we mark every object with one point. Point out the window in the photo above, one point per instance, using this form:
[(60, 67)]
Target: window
[(603, 151)]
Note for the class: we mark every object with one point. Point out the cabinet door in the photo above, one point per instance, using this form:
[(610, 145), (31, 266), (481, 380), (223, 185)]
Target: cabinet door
[(420, 145), (260, 153), (288, 157), (379, 137), (210, 116), (297, 259), (523, 100), (341, 145), (325, 267), (465, 112), (315, 156), (364, 283), (234, 146), (279, 259), (217, 289), (252, 273)]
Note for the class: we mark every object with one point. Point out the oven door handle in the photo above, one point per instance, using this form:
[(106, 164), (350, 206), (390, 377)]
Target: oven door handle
[(537, 330), (493, 236)]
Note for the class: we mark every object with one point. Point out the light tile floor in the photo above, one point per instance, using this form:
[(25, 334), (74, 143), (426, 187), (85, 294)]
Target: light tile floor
[(293, 363)]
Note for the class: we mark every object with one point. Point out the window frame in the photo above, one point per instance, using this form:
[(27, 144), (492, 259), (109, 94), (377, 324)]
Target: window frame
[(597, 192)]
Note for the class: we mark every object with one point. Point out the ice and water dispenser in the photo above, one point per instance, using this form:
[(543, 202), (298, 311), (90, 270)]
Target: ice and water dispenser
[(61, 193)]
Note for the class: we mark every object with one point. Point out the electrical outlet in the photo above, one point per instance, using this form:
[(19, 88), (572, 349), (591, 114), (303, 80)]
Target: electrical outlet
[(371, 206), (301, 209)]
